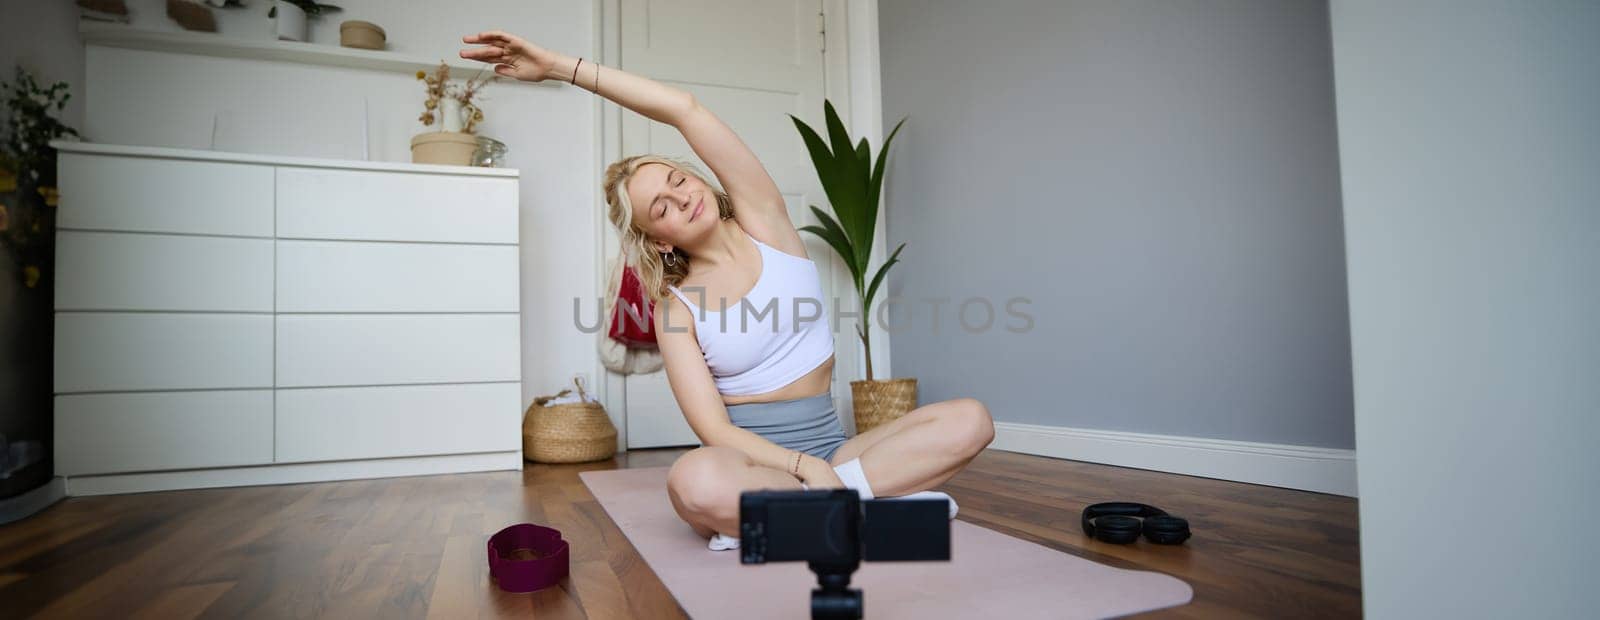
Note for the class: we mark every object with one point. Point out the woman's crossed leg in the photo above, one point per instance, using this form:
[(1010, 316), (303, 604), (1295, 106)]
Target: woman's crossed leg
[(915, 452), (704, 485)]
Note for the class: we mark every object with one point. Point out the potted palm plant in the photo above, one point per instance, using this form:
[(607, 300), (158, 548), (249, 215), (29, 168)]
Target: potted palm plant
[(853, 184)]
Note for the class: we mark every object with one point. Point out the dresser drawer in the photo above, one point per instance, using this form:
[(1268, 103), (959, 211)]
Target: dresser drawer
[(327, 424), (385, 350), (345, 276), (110, 433), (108, 351), (141, 271), (106, 192), (390, 206)]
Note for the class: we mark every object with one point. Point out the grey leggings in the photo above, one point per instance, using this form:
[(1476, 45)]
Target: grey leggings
[(809, 424)]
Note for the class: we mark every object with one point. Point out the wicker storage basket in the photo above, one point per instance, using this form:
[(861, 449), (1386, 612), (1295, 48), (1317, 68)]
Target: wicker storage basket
[(568, 432), (881, 401)]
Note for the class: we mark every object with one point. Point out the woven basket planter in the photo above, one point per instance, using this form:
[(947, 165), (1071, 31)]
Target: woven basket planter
[(569, 432), (880, 401)]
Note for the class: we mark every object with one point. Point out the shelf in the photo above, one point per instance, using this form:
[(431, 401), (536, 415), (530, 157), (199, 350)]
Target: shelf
[(162, 152), (207, 44)]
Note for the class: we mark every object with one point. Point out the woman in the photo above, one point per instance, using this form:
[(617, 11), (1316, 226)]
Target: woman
[(752, 378)]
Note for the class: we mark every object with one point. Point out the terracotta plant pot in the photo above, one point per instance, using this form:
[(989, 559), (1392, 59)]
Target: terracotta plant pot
[(360, 34), (449, 148), (880, 401)]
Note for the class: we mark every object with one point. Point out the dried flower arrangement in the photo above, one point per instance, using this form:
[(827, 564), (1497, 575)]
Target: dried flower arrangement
[(469, 94)]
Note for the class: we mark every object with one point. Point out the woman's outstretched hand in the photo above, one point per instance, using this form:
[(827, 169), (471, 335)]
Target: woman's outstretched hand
[(511, 56)]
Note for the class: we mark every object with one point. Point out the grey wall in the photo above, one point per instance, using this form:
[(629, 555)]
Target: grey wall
[(1159, 178), (1469, 136)]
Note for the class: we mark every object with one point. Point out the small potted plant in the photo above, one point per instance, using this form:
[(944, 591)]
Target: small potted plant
[(28, 199), (853, 185), (28, 193), (291, 15), (455, 107)]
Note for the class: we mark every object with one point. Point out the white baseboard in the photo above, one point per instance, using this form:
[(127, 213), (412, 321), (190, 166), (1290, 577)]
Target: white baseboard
[(292, 473), (1324, 470)]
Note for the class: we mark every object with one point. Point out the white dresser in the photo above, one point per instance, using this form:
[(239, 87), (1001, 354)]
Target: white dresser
[(229, 319)]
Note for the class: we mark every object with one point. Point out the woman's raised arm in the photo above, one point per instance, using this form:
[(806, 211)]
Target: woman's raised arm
[(516, 58), (759, 206)]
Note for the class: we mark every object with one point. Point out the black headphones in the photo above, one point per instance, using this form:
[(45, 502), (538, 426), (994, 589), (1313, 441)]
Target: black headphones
[(1121, 522)]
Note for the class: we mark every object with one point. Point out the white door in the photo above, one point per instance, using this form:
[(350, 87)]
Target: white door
[(753, 64)]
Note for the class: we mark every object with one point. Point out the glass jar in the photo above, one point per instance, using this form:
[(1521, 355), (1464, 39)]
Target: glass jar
[(491, 153)]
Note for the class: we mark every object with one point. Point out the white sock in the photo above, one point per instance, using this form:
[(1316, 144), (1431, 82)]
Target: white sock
[(850, 473), (853, 478), (931, 495)]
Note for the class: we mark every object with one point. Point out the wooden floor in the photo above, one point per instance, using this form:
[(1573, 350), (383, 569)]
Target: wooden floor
[(414, 547)]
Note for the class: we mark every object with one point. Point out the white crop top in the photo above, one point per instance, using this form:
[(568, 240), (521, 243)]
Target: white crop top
[(767, 339)]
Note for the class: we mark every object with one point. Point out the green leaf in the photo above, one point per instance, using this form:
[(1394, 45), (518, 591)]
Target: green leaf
[(875, 190), (834, 182), (853, 176), (836, 242), (869, 207), (835, 237), (872, 291), (837, 135)]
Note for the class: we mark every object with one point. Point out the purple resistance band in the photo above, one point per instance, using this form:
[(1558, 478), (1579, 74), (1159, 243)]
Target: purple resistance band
[(546, 570)]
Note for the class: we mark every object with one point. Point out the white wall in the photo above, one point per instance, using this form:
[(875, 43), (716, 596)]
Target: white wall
[(1469, 138), (39, 36), (178, 100)]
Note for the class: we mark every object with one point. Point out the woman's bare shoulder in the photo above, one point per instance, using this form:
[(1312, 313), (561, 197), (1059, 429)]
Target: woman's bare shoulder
[(673, 317), (778, 233)]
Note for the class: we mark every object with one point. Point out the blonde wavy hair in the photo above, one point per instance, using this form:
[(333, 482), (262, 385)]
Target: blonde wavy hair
[(652, 268)]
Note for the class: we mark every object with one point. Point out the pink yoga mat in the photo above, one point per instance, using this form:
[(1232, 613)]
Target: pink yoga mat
[(989, 575)]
